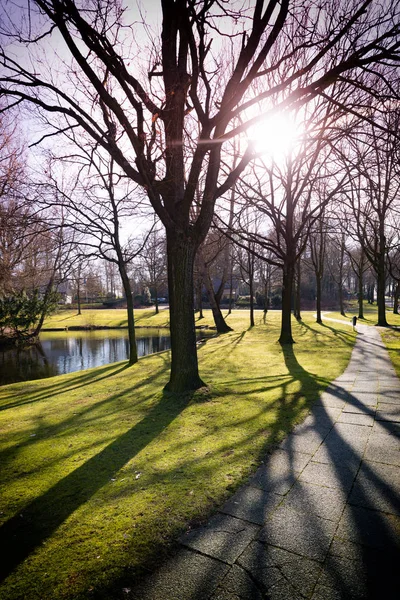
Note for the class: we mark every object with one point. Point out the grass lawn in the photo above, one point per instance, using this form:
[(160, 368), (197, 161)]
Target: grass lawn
[(370, 314), (391, 338), (101, 470), (111, 317)]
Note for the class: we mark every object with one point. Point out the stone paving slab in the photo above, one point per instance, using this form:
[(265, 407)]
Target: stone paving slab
[(237, 584), (278, 569), (324, 502), (186, 575), (362, 400), (280, 471), (331, 475), (307, 443), (370, 528), (388, 412), (344, 454), (331, 400), (303, 533), (345, 433), (356, 419), (251, 504), (377, 486), (361, 408), (224, 537), (348, 577)]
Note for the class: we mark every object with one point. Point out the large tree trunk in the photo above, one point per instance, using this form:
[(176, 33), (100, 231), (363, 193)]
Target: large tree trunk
[(184, 366), (286, 323), (133, 357)]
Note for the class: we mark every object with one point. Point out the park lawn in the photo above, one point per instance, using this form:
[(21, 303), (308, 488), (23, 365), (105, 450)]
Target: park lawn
[(370, 314), (391, 338), (101, 470), (107, 317)]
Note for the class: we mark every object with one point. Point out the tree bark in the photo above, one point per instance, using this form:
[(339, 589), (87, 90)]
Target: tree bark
[(360, 295), (156, 299), (286, 323), (133, 357), (297, 296), (220, 323), (380, 295), (396, 299), (319, 314), (251, 288), (184, 375)]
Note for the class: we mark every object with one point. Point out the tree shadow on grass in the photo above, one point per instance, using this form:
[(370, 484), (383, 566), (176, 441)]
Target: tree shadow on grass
[(24, 532)]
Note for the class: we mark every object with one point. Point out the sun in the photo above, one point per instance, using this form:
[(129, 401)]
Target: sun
[(274, 137)]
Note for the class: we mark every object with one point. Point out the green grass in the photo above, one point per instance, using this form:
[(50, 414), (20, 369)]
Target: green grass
[(370, 314), (108, 317), (391, 338), (101, 470)]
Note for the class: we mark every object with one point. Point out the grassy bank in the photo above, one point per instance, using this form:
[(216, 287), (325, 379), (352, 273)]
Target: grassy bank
[(370, 314), (101, 469), (392, 340), (115, 317)]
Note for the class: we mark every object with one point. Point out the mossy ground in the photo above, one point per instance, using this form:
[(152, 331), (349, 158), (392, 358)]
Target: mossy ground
[(101, 469)]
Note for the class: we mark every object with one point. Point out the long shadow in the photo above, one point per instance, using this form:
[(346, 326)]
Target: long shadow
[(23, 533), (378, 566), (76, 419)]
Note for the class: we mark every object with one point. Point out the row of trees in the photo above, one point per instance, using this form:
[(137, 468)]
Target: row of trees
[(170, 131)]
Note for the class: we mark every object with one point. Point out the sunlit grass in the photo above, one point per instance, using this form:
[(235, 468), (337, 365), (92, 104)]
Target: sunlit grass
[(101, 470), (391, 337), (370, 314)]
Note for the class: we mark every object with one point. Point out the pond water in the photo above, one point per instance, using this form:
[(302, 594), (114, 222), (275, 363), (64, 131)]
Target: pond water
[(64, 352)]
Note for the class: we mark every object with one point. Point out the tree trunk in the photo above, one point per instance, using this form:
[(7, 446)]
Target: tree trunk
[(396, 299), (251, 285), (78, 291), (319, 316), (230, 293), (184, 374), (286, 323), (221, 325), (380, 297), (133, 357), (199, 299), (265, 297), (156, 299), (297, 297), (49, 289), (341, 303), (360, 295)]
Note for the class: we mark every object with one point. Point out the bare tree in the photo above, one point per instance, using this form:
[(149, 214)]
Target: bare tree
[(153, 261), (175, 118), (96, 201), (374, 155)]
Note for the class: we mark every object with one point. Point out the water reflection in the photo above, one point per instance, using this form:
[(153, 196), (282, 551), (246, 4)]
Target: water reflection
[(65, 352)]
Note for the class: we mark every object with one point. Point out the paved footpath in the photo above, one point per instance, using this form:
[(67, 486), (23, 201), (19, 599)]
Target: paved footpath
[(320, 519)]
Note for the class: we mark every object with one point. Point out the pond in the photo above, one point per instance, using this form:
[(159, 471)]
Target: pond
[(64, 352)]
